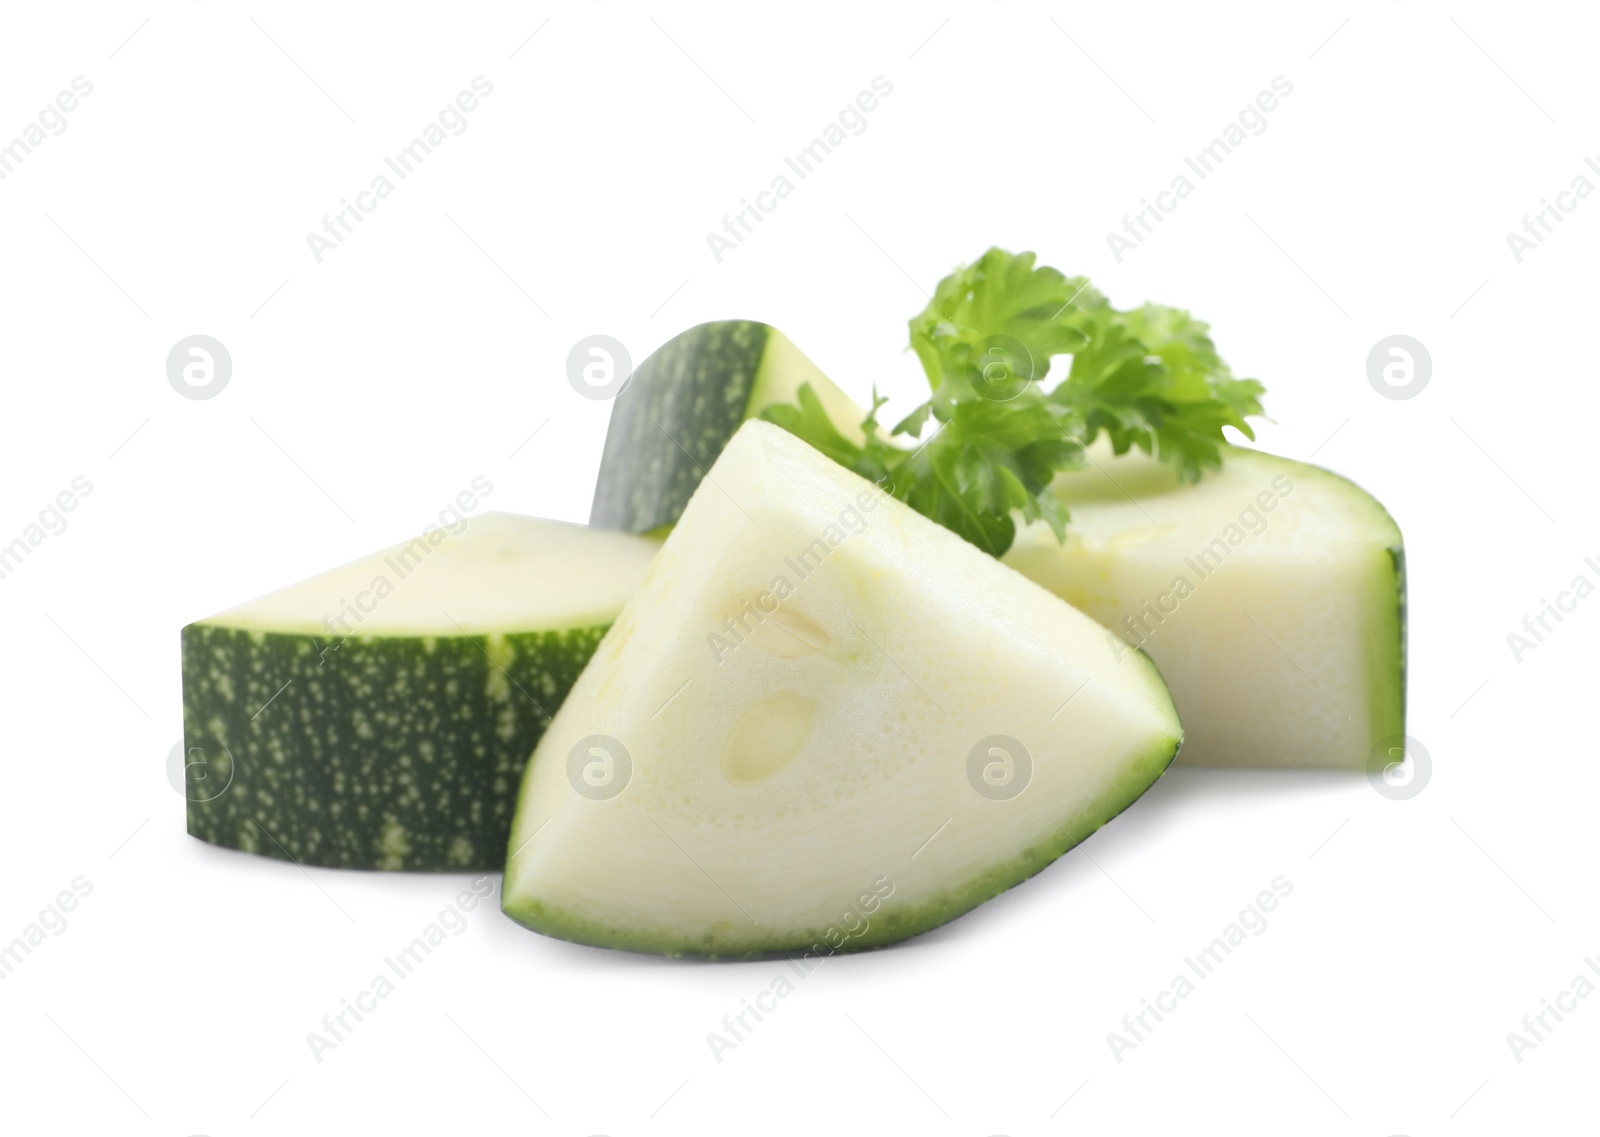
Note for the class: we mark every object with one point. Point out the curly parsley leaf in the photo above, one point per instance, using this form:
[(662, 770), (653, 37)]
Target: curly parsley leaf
[(1149, 378), (994, 325), (983, 461)]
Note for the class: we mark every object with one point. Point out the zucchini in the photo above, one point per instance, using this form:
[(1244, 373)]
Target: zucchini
[(681, 406), (1271, 594), (378, 716), (823, 723), (1310, 615)]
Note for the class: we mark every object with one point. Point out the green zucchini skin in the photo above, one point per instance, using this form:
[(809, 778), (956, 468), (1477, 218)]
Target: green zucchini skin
[(670, 422), (392, 752)]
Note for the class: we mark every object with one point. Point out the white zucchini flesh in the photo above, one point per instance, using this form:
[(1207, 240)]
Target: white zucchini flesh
[(491, 573), (1271, 595), (792, 703)]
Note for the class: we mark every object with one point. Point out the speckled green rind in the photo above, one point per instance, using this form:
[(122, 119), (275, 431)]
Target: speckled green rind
[(674, 417), (894, 922), (1397, 555), (399, 753)]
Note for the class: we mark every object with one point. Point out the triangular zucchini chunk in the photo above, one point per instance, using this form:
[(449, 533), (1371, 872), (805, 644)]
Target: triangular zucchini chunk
[(823, 723), (379, 715)]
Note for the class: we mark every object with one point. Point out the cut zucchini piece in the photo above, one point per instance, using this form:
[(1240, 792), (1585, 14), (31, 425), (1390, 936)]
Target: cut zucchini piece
[(681, 406), (1271, 595), (823, 723), (378, 716)]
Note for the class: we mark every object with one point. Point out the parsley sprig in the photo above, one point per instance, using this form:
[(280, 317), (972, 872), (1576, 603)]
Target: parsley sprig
[(1148, 377)]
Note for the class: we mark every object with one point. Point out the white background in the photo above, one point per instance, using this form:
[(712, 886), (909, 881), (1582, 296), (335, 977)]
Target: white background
[(369, 389)]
